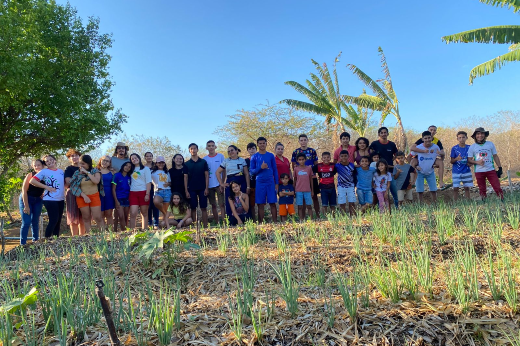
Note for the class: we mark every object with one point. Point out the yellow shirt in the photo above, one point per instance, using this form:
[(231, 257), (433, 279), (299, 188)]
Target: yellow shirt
[(176, 213)]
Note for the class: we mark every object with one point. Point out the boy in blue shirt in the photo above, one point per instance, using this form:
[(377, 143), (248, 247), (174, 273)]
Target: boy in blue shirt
[(365, 175), (346, 182), (286, 200), (461, 172)]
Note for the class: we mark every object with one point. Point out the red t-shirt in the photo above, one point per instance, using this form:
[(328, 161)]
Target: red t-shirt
[(351, 149), (326, 175), (303, 177), (283, 166)]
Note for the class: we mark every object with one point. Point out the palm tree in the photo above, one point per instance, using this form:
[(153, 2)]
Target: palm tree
[(384, 100), (509, 34), (326, 100)]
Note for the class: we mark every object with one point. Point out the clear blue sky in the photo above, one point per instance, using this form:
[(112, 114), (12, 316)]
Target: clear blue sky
[(182, 66)]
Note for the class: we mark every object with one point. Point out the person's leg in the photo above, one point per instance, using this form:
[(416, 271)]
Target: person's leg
[(381, 200), (351, 198), (26, 221), (283, 212), (325, 193), (252, 193), (158, 202), (52, 213), (420, 195), (187, 222), (274, 215), (495, 183), (432, 185), (352, 208), (261, 212), (467, 193), (97, 215), (36, 210), (203, 201), (57, 227), (369, 199), (119, 221), (134, 210), (107, 215), (212, 192), (222, 204), (315, 200), (481, 182), (419, 186), (144, 215), (434, 196), (87, 217), (393, 191), (455, 194), (408, 196), (440, 162), (342, 198)]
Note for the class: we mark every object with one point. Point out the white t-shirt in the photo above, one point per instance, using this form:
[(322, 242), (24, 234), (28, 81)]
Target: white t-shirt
[(140, 177), (426, 160), (214, 163), (54, 178), (159, 178), (235, 166), (380, 181), (483, 152)]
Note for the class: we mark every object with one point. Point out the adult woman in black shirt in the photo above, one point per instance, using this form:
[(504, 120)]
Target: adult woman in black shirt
[(177, 175), (31, 204), (74, 219)]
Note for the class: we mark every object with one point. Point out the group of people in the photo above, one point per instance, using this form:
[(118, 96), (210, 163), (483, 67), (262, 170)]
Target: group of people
[(115, 190)]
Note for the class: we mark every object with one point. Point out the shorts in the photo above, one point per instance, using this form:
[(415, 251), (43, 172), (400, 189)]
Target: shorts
[(430, 179), (265, 191), (365, 196), (301, 196), (315, 186), (197, 199), (95, 201), (124, 202), (402, 194), (466, 179), (346, 194), (137, 198), (165, 194), (214, 193), (328, 197), (178, 220), (287, 209)]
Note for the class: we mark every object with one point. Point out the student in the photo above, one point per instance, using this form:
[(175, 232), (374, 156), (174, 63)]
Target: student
[(31, 204), (365, 176), (74, 219), (140, 187), (374, 159), (286, 200), (303, 186), (120, 156), (345, 145), (163, 193), (107, 200), (362, 144), (404, 175), (346, 183), (426, 157), (381, 184), (52, 180), (153, 212), (251, 150), (196, 180), (483, 155), (177, 175), (283, 164), (263, 167), (181, 211), (439, 161), (239, 204), (121, 194), (461, 172), (326, 172), (387, 150), (215, 192), (311, 159)]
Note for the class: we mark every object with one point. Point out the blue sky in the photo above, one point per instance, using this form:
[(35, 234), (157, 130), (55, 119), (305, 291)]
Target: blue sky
[(181, 66)]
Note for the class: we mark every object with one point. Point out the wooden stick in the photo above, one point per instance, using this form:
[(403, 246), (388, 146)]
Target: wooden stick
[(2, 236), (108, 314)]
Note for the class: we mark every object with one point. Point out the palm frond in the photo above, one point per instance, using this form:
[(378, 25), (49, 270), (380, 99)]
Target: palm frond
[(367, 101), (515, 4), (336, 74), (304, 106), (493, 64), (492, 34), (384, 65), (369, 82), (315, 98)]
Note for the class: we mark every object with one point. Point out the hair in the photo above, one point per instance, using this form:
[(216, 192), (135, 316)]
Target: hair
[(433, 126), (283, 175), (141, 166), (400, 153), (173, 159), (381, 129), (303, 135), (251, 145), (40, 161), (462, 133), (343, 152), (193, 144), (126, 152), (87, 159), (261, 139), (279, 145), (210, 141), (361, 139), (301, 155), (183, 206), (148, 152), (231, 192), (46, 156), (383, 161), (101, 159), (123, 166), (156, 168), (235, 147), (365, 157), (426, 133), (344, 134), (71, 152), (325, 153), (374, 154)]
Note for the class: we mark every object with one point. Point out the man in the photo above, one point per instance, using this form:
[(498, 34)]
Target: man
[(439, 161), (214, 161), (461, 173), (263, 167), (120, 156), (196, 182), (345, 145), (426, 157), (311, 159), (251, 150), (387, 150), (483, 155)]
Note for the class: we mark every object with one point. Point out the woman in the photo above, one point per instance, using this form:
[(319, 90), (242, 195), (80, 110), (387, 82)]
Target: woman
[(87, 185), (74, 219), (52, 180), (239, 204), (236, 170), (180, 210), (177, 175), (153, 212), (107, 202), (163, 193), (31, 204), (361, 150), (139, 191), (121, 194), (283, 164)]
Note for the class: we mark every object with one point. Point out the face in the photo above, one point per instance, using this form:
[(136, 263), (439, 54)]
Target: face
[(381, 166), (433, 130), (135, 160), (232, 152), (326, 159), (211, 147), (480, 136), (262, 145), (301, 161), (383, 134), (160, 165), (176, 200), (362, 144), (148, 157), (427, 139), (50, 162), (105, 162), (364, 163), (462, 139), (375, 158), (83, 165), (303, 142), (121, 151), (194, 150), (37, 166), (178, 160), (251, 151), (285, 180), (400, 159), (279, 150), (74, 158), (343, 158), (345, 141), (127, 167), (236, 188)]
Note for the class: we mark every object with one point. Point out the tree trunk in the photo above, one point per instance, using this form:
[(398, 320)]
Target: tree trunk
[(400, 137)]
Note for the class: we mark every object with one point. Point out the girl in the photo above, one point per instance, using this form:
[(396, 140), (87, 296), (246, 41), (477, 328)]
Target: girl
[(52, 180), (107, 202), (153, 212), (283, 164), (361, 150), (163, 193), (381, 184), (31, 204), (139, 191), (239, 204), (121, 193), (74, 219), (177, 175), (180, 210), (87, 186)]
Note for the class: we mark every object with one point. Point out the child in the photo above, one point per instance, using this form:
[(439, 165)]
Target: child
[(382, 179), (461, 172), (304, 186), (239, 204), (403, 175), (251, 149), (346, 182), (286, 200), (326, 172), (180, 210), (121, 193), (163, 193), (424, 168), (365, 175), (374, 159)]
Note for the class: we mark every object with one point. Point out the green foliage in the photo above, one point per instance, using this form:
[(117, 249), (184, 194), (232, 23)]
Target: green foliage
[(158, 240), (20, 303)]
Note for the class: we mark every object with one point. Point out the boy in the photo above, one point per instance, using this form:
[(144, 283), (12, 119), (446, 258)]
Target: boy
[(214, 161), (251, 149), (461, 172), (387, 150), (365, 175), (326, 172), (345, 145), (374, 158), (286, 200), (439, 161), (304, 186), (196, 181), (346, 183), (403, 175), (426, 158), (311, 159)]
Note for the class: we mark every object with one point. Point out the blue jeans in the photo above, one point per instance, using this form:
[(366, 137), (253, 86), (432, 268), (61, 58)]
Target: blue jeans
[(364, 196), (328, 197), (430, 179), (153, 212), (33, 219), (393, 191)]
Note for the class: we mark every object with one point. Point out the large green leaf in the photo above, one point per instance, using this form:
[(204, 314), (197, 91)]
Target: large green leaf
[(21, 302), (493, 64), (493, 34), (514, 4), (369, 82)]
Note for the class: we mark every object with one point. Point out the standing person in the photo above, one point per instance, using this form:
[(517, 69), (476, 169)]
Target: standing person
[(426, 157), (251, 150), (31, 204), (239, 204), (387, 150), (120, 156), (365, 176), (121, 194), (140, 186), (381, 184), (87, 185), (215, 192), (177, 175), (311, 159), (283, 165), (362, 144), (404, 175), (74, 219), (196, 180), (303, 186), (286, 200), (345, 145), (461, 172), (439, 161), (107, 201), (326, 172), (483, 155), (180, 210), (263, 167), (52, 179), (153, 212), (163, 193), (346, 183)]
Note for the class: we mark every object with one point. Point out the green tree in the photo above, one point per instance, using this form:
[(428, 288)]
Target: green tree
[(508, 34)]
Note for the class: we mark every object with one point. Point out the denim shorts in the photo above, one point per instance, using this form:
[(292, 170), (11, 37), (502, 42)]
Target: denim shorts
[(430, 179), (300, 196), (365, 196), (166, 195), (328, 197), (124, 202)]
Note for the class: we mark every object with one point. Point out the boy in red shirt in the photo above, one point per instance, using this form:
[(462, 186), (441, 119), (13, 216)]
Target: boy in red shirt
[(326, 171)]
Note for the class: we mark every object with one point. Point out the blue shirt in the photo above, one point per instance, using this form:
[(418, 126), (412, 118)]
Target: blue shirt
[(364, 178), (122, 185), (461, 166), (310, 156), (345, 175), (286, 199), (268, 175)]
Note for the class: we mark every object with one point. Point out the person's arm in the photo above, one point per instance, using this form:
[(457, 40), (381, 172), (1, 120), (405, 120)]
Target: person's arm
[(148, 189), (245, 202), (454, 159), (248, 180), (396, 173), (255, 168), (499, 165), (187, 216), (34, 181), (114, 195), (25, 198), (275, 173), (312, 186), (234, 211), (95, 178), (221, 181), (206, 178), (417, 150)]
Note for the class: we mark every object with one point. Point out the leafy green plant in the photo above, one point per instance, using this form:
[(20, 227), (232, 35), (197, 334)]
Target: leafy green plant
[(158, 240), (20, 303), (349, 291), (290, 289)]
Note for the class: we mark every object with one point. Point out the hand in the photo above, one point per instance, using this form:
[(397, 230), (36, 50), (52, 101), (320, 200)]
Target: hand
[(458, 158), (276, 188), (264, 165), (312, 194), (206, 192), (118, 205), (187, 194), (480, 162), (179, 225), (51, 189), (166, 184), (86, 199), (399, 170), (248, 190), (222, 187), (239, 221), (499, 172), (83, 170), (418, 168), (147, 197), (27, 210)]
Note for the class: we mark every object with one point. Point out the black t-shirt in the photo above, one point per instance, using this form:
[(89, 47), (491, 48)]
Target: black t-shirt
[(434, 141), (252, 184), (386, 151), (69, 171), (177, 178), (196, 175), (34, 191)]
